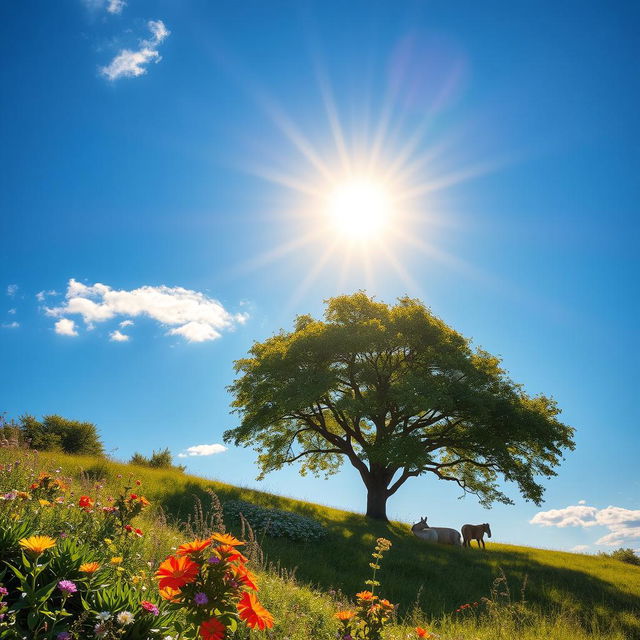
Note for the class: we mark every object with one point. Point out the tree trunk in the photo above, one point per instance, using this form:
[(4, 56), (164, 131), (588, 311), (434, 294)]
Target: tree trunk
[(377, 495)]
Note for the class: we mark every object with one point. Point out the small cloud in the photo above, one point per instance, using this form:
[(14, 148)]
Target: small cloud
[(12, 312), (11, 325), (12, 289), (116, 6), (126, 323), (582, 502), (623, 524), (41, 295), (579, 548), (131, 64), (66, 327), (202, 450), (116, 336)]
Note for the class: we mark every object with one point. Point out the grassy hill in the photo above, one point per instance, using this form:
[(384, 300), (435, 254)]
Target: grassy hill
[(598, 592)]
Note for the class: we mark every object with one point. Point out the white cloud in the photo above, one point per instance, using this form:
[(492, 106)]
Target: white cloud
[(41, 295), (116, 6), (66, 327), (202, 450), (12, 289), (126, 323), (12, 312), (116, 336), (11, 325), (190, 314), (582, 502), (623, 524), (131, 64), (580, 548)]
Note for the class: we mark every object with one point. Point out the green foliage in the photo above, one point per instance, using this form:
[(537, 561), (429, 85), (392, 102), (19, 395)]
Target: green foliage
[(274, 522), (159, 460), (399, 394), (55, 433), (624, 555)]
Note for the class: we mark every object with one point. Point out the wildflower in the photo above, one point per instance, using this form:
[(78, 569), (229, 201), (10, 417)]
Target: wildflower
[(344, 615), (150, 607), (200, 598), (386, 604), (143, 501), (3, 592), (116, 560), (227, 539), (365, 595), (46, 503), (176, 572), (213, 560), (138, 483), (67, 587), (85, 502), (245, 577), (138, 532), (37, 544), (212, 629), (124, 618), (89, 567), (229, 553), (190, 548), (100, 630), (170, 594), (103, 616), (253, 613), (422, 633), (63, 635)]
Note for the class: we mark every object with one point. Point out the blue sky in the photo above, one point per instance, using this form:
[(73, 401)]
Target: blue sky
[(181, 155)]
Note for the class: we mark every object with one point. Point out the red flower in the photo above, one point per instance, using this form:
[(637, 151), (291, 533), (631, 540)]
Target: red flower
[(176, 572), (150, 607), (253, 613), (212, 629), (245, 577), (229, 553), (85, 502), (138, 532), (422, 633)]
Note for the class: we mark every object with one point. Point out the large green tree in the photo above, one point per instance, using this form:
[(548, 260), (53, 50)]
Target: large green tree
[(397, 393)]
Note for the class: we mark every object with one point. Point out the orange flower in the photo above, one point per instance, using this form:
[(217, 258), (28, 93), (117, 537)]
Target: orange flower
[(143, 501), (227, 538), (172, 595), (245, 576), (85, 502), (193, 547), (229, 553), (212, 629), (89, 567), (422, 633), (344, 615), (253, 613), (386, 604), (37, 544), (366, 595), (176, 572)]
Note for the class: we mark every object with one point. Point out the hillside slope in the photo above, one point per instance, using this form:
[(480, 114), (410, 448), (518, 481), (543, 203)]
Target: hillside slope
[(595, 589)]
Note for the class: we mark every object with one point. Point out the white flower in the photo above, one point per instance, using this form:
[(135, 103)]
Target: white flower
[(103, 615), (124, 618)]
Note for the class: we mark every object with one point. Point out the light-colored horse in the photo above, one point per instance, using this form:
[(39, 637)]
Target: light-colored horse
[(475, 532), (424, 532), (445, 535)]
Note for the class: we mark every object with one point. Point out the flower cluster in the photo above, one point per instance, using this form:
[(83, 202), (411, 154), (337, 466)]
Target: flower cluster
[(209, 582), (371, 613), (274, 522), (463, 608)]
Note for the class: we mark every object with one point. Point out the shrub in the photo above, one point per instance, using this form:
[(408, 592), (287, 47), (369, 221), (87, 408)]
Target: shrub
[(158, 460), (274, 522), (624, 555), (55, 433)]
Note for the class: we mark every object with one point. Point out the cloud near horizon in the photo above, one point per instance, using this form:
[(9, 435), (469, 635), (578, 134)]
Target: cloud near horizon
[(623, 524), (202, 450), (131, 64), (187, 313)]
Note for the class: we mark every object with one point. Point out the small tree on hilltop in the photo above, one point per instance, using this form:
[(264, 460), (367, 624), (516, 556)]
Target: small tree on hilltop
[(399, 394)]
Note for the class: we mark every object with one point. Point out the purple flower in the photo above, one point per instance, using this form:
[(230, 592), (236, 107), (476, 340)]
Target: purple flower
[(200, 598), (213, 560), (63, 635), (67, 587), (4, 591)]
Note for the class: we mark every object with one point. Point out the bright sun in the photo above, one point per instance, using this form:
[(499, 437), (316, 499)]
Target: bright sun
[(359, 209)]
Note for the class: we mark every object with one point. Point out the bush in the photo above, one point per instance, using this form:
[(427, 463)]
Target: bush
[(274, 522), (624, 555), (55, 433), (158, 460)]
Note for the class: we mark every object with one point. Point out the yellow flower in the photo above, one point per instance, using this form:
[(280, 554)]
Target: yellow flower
[(89, 567), (37, 544), (44, 503), (116, 560)]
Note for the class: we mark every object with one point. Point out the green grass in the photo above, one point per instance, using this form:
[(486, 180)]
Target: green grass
[(594, 596)]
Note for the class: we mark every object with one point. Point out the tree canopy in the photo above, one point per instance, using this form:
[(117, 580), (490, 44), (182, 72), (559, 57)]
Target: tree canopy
[(54, 432), (399, 394)]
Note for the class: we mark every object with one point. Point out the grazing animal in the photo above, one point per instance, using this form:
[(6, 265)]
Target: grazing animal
[(424, 532), (475, 532), (445, 534)]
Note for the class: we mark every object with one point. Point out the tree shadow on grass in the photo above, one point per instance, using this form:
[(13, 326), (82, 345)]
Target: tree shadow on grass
[(447, 576)]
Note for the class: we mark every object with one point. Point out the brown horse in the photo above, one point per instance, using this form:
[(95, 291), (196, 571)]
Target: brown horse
[(475, 532)]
